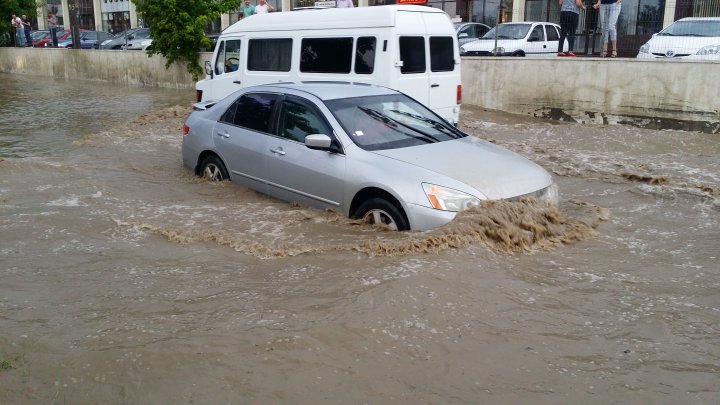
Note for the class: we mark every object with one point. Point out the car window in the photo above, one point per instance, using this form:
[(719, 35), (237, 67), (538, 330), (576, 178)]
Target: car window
[(228, 59), (365, 55), (697, 28), (508, 31), (390, 121), (269, 55), (480, 30), (412, 53), (468, 30), (552, 34), (537, 34), (298, 119), (326, 55), (442, 57), (251, 111)]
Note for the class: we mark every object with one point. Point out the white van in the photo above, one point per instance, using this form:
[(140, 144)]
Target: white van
[(413, 49)]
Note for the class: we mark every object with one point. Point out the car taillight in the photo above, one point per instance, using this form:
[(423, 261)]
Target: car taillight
[(459, 93), (198, 95), (186, 129)]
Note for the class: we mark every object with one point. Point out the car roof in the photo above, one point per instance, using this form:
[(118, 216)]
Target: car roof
[(328, 90)]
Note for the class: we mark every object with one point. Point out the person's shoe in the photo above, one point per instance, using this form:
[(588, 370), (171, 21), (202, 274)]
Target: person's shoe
[(562, 54), (571, 53)]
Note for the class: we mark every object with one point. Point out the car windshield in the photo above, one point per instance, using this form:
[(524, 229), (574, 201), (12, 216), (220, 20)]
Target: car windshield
[(389, 122), (696, 28), (508, 31), (142, 34)]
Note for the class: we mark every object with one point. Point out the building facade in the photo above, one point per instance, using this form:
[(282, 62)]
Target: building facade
[(638, 20)]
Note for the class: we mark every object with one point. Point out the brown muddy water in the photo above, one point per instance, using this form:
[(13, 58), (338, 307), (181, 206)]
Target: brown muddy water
[(125, 279)]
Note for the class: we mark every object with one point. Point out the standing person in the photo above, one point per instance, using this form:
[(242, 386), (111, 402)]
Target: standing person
[(609, 13), (248, 9), (263, 8), (52, 25), (569, 17), (27, 27), (344, 4), (17, 23)]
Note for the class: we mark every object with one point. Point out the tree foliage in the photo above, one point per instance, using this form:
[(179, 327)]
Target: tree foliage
[(177, 28)]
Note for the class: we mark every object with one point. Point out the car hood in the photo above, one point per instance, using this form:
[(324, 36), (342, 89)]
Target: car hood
[(489, 44), (495, 172), (662, 44)]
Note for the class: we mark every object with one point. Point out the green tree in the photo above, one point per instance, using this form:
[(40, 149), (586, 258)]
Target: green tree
[(177, 28), (7, 9)]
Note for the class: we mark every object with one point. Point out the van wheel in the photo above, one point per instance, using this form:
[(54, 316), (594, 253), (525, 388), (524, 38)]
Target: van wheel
[(519, 53), (213, 169), (380, 211)]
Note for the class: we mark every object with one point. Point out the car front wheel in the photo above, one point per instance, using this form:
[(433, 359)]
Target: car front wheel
[(378, 211), (213, 169)]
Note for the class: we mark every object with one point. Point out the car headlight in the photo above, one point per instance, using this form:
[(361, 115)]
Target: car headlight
[(447, 199), (645, 48), (709, 50), (499, 50)]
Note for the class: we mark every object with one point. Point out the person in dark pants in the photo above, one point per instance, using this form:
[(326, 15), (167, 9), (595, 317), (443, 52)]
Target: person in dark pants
[(27, 27), (569, 17)]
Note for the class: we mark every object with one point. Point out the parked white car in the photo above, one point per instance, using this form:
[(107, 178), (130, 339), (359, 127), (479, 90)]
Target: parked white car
[(538, 39), (694, 38)]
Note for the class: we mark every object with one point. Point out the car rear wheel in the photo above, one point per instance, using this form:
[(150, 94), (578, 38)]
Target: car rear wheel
[(213, 169), (378, 211)]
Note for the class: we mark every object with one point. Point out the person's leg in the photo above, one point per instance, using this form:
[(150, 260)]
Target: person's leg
[(614, 13), (563, 30), (603, 23), (28, 38), (572, 27)]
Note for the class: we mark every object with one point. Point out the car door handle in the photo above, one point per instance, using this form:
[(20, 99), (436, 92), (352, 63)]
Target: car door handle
[(223, 134), (279, 151), (434, 85), (236, 81)]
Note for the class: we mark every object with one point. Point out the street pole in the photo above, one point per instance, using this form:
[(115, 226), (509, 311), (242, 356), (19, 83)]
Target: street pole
[(75, 12)]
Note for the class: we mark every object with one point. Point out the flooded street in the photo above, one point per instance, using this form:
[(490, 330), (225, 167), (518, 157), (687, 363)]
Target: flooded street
[(126, 279)]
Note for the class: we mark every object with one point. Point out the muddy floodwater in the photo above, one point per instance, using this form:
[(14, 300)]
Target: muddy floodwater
[(124, 279)]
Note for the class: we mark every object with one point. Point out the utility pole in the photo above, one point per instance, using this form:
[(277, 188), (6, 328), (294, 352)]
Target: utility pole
[(75, 12)]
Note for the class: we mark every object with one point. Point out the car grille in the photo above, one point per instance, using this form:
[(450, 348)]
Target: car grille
[(478, 53), (677, 55)]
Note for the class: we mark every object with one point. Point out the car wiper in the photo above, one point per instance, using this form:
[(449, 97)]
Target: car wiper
[(665, 34), (435, 124), (387, 120)]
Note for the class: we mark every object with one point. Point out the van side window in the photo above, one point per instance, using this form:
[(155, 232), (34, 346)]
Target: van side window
[(412, 53), (298, 120), (270, 55), (442, 57), (251, 111), (365, 55), (326, 55)]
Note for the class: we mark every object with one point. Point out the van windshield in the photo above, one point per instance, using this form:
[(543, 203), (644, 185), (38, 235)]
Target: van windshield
[(390, 122)]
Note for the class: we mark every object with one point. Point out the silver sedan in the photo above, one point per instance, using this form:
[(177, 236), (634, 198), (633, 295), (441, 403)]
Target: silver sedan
[(371, 152)]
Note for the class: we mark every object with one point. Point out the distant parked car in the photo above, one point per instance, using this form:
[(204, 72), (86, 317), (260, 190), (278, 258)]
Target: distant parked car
[(370, 152), (43, 41), (470, 31), (539, 39), (692, 38), (87, 39), (120, 39), (138, 44)]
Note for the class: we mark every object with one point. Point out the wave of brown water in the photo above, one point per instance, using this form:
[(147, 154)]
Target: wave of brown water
[(611, 297)]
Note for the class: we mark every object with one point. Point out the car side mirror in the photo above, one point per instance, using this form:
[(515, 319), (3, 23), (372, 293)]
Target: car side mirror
[(318, 141), (463, 35), (208, 68)]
